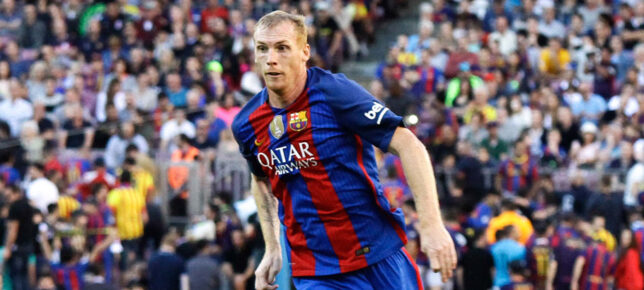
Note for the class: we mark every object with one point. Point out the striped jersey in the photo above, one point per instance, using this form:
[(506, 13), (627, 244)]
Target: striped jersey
[(600, 264), (318, 155), (567, 244), (69, 277)]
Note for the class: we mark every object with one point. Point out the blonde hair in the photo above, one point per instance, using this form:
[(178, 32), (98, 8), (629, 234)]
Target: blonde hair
[(277, 17)]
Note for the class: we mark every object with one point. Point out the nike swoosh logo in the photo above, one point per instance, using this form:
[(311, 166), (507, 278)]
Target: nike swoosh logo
[(258, 143)]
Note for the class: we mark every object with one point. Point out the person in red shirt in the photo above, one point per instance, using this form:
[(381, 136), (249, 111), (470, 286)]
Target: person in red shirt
[(209, 14), (628, 275)]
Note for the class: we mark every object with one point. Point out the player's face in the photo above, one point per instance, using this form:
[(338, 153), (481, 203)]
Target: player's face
[(280, 56)]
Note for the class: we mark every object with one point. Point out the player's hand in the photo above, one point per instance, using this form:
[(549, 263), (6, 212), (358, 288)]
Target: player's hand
[(437, 244), (267, 270)]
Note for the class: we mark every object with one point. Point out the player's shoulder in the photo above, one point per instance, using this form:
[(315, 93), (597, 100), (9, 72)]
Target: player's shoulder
[(241, 120), (332, 85)]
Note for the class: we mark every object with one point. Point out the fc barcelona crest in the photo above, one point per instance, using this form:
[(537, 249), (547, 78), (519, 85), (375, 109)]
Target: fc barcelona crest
[(277, 127), (297, 121)]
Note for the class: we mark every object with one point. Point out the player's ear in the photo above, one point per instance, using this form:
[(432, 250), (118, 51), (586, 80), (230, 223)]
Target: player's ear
[(307, 52)]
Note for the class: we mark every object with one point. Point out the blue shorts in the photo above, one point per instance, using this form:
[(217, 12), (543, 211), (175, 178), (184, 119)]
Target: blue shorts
[(397, 271)]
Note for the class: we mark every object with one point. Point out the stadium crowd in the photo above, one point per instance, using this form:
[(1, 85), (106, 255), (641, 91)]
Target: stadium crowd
[(532, 112), (96, 97)]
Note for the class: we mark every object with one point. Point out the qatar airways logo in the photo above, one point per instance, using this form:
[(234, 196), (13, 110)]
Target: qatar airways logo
[(288, 159)]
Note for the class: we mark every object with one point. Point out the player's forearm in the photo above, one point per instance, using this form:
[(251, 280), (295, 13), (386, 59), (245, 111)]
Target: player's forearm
[(267, 213), (420, 177), (579, 266)]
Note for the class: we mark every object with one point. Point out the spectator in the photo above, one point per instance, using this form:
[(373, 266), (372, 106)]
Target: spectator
[(115, 150), (146, 93), (519, 171), (506, 251), (112, 20), (32, 32), (202, 270), (478, 265), (113, 96), (166, 270), (174, 127), (328, 37), (554, 59), (504, 36), (590, 107), (175, 91), (20, 236), (239, 264), (635, 177), (628, 274), (14, 109), (11, 19), (41, 191), (509, 216), (129, 211), (600, 234), (78, 132), (585, 154), (603, 271), (590, 13)]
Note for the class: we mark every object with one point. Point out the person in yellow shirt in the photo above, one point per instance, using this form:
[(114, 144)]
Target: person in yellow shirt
[(143, 182), (66, 205), (600, 234), (509, 216), (480, 105), (554, 59), (128, 206)]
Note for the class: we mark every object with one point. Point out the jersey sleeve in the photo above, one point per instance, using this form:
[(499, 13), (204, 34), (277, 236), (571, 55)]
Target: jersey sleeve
[(242, 138), (359, 112)]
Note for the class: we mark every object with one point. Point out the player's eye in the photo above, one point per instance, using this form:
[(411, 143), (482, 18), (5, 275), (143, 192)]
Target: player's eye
[(282, 47), (261, 48)]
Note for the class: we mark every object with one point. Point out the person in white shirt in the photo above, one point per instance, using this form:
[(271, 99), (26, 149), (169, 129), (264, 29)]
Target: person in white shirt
[(116, 145), (15, 110), (174, 127), (507, 38), (550, 26), (41, 192), (635, 176)]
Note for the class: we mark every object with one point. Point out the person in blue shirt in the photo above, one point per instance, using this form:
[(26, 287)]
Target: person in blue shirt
[(504, 252), (484, 211)]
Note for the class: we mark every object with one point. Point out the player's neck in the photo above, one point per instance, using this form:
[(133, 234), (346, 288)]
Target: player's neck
[(284, 98)]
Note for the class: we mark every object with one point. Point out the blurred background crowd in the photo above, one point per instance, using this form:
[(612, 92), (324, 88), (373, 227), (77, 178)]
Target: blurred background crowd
[(118, 168)]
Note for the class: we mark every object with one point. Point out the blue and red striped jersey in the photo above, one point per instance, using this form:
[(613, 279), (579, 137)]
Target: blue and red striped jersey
[(318, 155), (69, 277), (600, 264), (518, 173), (567, 244)]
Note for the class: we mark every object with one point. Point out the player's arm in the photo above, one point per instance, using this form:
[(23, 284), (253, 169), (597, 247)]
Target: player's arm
[(552, 271), (435, 240), (576, 274), (267, 213)]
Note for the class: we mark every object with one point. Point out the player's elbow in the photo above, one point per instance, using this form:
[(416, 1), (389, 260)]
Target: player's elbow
[(403, 141)]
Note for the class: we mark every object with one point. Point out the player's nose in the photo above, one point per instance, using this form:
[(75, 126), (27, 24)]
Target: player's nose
[(271, 59)]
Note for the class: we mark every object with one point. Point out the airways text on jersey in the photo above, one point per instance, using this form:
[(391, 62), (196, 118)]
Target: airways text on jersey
[(287, 159)]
